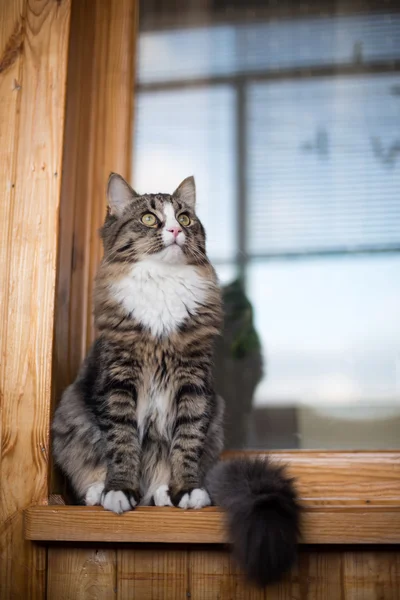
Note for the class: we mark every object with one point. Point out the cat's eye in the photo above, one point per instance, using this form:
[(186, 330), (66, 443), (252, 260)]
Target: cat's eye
[(184, 220), (149, 220)]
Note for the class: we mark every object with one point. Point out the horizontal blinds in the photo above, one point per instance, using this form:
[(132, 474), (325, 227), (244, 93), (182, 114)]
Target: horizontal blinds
[(226, 50), (323, 164)]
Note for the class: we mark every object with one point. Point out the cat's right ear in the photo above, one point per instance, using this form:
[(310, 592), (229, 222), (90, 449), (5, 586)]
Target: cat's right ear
[(119, 194)]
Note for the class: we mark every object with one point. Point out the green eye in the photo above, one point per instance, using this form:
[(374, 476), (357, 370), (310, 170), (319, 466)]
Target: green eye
[(184, 220), (149, 220)]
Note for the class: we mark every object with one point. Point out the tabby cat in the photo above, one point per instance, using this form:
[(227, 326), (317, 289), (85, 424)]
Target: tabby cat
[(142, 424)]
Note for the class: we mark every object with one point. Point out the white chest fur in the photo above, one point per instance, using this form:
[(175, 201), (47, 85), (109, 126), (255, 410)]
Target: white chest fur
[(161, 295)]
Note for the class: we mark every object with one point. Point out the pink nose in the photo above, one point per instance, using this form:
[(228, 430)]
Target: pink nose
[(175, 230)]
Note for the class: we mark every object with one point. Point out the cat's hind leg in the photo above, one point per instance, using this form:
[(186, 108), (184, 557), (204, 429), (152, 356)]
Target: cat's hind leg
[(78, 448)]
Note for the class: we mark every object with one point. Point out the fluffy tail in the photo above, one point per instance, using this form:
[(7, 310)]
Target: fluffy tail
[(263, 515)]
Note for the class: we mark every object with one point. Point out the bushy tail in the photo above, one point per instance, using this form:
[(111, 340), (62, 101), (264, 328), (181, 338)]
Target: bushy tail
[(263, 515)]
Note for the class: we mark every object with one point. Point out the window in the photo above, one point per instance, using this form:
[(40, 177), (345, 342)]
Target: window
[(291, 128)]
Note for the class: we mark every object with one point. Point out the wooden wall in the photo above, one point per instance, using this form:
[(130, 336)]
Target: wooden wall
[(208, 573), (33, 65)]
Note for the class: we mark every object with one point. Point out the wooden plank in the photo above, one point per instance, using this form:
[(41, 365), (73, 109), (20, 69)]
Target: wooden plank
[(11, 43), (81, 574), (319, 576), (209, 572), (111, 133), (371, 575), (214, 574), (98, 140), (152, 573), (331, 525), (338, 477), (322, 575), (33, 59)]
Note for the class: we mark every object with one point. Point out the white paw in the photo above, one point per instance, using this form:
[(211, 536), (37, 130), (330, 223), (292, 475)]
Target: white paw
[(199, 498), (184, 503), (161, 496), (117, 501), (93, 495)]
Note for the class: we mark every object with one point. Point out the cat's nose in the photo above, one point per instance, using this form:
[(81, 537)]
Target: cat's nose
[(175, 230)]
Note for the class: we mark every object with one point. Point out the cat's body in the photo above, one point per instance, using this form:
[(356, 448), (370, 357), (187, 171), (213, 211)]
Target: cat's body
[(142, 423), (144, 393)]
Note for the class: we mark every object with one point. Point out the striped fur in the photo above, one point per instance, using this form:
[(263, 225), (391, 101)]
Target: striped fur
[(142, 423)]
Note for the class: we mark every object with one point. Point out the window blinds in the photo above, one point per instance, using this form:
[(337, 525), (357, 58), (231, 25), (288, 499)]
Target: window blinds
[(323, 165)]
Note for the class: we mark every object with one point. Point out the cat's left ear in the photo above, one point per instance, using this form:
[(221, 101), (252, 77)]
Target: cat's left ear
[(186, 192), (119, 194)]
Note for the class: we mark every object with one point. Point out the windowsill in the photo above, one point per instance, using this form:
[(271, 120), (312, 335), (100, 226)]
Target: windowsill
[(321, 525), (348, 498)]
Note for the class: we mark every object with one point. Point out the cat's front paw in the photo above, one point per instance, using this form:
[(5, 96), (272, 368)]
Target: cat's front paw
[(119, 501), (161, 496), (191, 498), (94, 493)]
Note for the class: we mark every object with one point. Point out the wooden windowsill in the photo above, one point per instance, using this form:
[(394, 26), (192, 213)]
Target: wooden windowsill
[(321, 525), (348, 498)]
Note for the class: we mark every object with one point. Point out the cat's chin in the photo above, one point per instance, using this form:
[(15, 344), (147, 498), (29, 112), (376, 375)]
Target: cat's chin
[(172, 254)]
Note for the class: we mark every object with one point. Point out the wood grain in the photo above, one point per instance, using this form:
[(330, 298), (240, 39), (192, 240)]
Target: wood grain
[(371, 575), (173, 572), (332, 525), (81, 574), (319, 575), (322, 575), (214, 574), (98, 140), (338, 477), (152, 573), (33, 62)]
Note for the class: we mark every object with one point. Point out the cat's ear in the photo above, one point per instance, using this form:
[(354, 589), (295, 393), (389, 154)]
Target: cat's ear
[(119, 194), (186, 192)]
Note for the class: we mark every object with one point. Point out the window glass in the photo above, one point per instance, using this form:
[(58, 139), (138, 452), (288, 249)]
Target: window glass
[(289, 118)]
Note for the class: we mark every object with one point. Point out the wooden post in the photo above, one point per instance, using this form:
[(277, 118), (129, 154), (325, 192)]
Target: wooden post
[(98, 139), (33, 66)]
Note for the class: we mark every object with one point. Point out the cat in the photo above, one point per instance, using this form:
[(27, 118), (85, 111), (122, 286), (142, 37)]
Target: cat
[(142, 424)]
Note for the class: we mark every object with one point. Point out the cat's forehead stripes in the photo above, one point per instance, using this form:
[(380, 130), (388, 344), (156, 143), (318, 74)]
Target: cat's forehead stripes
[(165, 204)]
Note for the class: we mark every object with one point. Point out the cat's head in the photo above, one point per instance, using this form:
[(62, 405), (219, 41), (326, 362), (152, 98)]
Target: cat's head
[(161, 226)]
